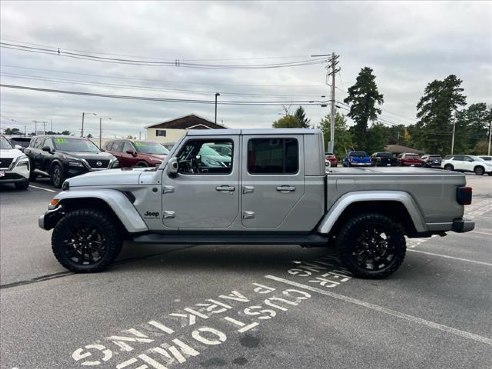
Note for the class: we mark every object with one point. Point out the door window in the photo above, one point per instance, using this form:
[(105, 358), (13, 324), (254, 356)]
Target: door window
[(206, 157), (273, 156), (128, 147)]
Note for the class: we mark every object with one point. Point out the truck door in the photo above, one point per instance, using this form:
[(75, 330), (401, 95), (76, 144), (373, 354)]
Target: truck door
[(272, 180), (205, 192)]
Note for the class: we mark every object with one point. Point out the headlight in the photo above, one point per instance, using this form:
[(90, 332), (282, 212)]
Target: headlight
[(75, 164), (22, 160)]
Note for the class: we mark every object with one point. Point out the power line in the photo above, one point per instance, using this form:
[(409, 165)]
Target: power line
[(154, 58), (161, 99), (140, 87), (167, 81), (147, 62)]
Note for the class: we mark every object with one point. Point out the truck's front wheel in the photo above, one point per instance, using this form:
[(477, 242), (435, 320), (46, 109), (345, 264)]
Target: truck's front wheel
[(371, 246), (86, 241)]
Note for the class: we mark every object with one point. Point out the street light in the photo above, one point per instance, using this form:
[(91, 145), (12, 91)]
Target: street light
[(100, 129), (216, 94), (83, 115)]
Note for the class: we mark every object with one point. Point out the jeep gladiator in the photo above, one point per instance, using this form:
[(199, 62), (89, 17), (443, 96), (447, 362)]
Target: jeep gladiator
[(271, 188)]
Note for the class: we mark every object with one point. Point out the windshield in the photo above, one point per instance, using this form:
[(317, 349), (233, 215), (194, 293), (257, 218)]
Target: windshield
[(150, 148), (358, 153), (5, 144), (384, 154), (74, 145)]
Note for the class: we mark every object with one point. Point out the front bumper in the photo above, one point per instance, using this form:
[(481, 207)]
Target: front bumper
[(463, 225), (50, 218)]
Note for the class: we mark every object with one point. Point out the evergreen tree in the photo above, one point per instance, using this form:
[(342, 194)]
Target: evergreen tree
[(298, 120), (436, 110), (301, 117), (363, 98)]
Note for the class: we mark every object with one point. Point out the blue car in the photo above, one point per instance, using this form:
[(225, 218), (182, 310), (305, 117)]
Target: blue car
[(357, 159)]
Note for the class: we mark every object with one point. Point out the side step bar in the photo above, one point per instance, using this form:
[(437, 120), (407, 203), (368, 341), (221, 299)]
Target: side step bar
[(238, 239)]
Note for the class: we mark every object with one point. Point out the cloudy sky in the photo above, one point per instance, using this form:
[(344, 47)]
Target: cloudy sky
[(177, 55)]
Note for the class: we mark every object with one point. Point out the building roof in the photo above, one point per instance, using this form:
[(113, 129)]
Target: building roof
[(188, 122), (398, 149)]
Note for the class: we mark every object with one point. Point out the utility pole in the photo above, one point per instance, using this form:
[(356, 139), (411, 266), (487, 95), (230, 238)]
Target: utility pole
[(490, 136), (216, 94), (331, 70), (82, 128), (452, 139)]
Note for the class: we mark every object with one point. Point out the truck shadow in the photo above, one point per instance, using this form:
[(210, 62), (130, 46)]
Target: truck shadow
[(213, 258)]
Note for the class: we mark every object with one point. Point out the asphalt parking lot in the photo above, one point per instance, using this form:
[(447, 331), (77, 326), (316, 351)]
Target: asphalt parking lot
[(243, 306)]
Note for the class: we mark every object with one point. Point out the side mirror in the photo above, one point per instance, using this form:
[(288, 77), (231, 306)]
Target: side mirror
[(18, 147), (46, 148), (172, 167), (131, 152)]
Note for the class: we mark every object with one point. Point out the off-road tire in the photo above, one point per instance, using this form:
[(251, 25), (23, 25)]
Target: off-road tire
[(57, 175), (371, 245), (448, 167), (86, 240), (479, 171)]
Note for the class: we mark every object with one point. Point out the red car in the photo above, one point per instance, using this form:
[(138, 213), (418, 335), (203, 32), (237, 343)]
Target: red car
[(330, 157), (410, 160), (136, 153)]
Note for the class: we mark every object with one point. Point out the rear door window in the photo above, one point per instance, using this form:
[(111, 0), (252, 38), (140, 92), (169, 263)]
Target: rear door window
[(273, 156)]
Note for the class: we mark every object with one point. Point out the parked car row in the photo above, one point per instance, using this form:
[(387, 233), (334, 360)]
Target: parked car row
[(61, 157), (468, 163)]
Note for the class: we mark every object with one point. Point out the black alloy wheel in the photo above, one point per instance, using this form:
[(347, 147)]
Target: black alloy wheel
[(371, 245), (57, 175), (86, 241)]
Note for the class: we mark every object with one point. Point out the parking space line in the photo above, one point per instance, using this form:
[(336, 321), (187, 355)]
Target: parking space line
[(41, 188), (381, 309), (451, 257), (485, 233)]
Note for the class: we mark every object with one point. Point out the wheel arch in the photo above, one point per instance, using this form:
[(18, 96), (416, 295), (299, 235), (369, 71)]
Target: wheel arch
[(399, 206), (114, 202)]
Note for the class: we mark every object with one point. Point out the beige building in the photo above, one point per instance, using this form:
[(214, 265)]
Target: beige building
[(171, 131)]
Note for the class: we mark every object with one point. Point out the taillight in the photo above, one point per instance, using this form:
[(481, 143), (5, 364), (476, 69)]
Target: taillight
[(464, 195)]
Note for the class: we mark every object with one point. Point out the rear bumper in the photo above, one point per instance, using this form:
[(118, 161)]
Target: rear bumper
[(463, 225)]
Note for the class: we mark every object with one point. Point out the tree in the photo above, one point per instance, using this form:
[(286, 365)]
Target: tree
[(343, 138), (298, 120), (363, 98), (12, 131), (301, 118), (472, 126), (436, 110)]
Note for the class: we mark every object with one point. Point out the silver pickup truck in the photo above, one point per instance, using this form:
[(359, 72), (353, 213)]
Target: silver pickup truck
[(255, 187)]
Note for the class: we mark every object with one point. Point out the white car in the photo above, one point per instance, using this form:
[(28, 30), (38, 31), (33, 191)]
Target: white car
[(467, 163), (14, 165)]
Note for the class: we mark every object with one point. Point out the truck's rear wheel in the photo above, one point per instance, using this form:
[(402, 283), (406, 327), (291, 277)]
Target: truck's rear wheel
[(371, 246), (86, 241)]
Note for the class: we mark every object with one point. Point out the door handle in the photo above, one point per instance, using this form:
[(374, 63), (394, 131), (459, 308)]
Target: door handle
[(286, 188), (248, 189), (225, 188)]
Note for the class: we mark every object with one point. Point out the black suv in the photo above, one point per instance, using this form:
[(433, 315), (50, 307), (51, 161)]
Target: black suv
[(384, 159), (62, 157)]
